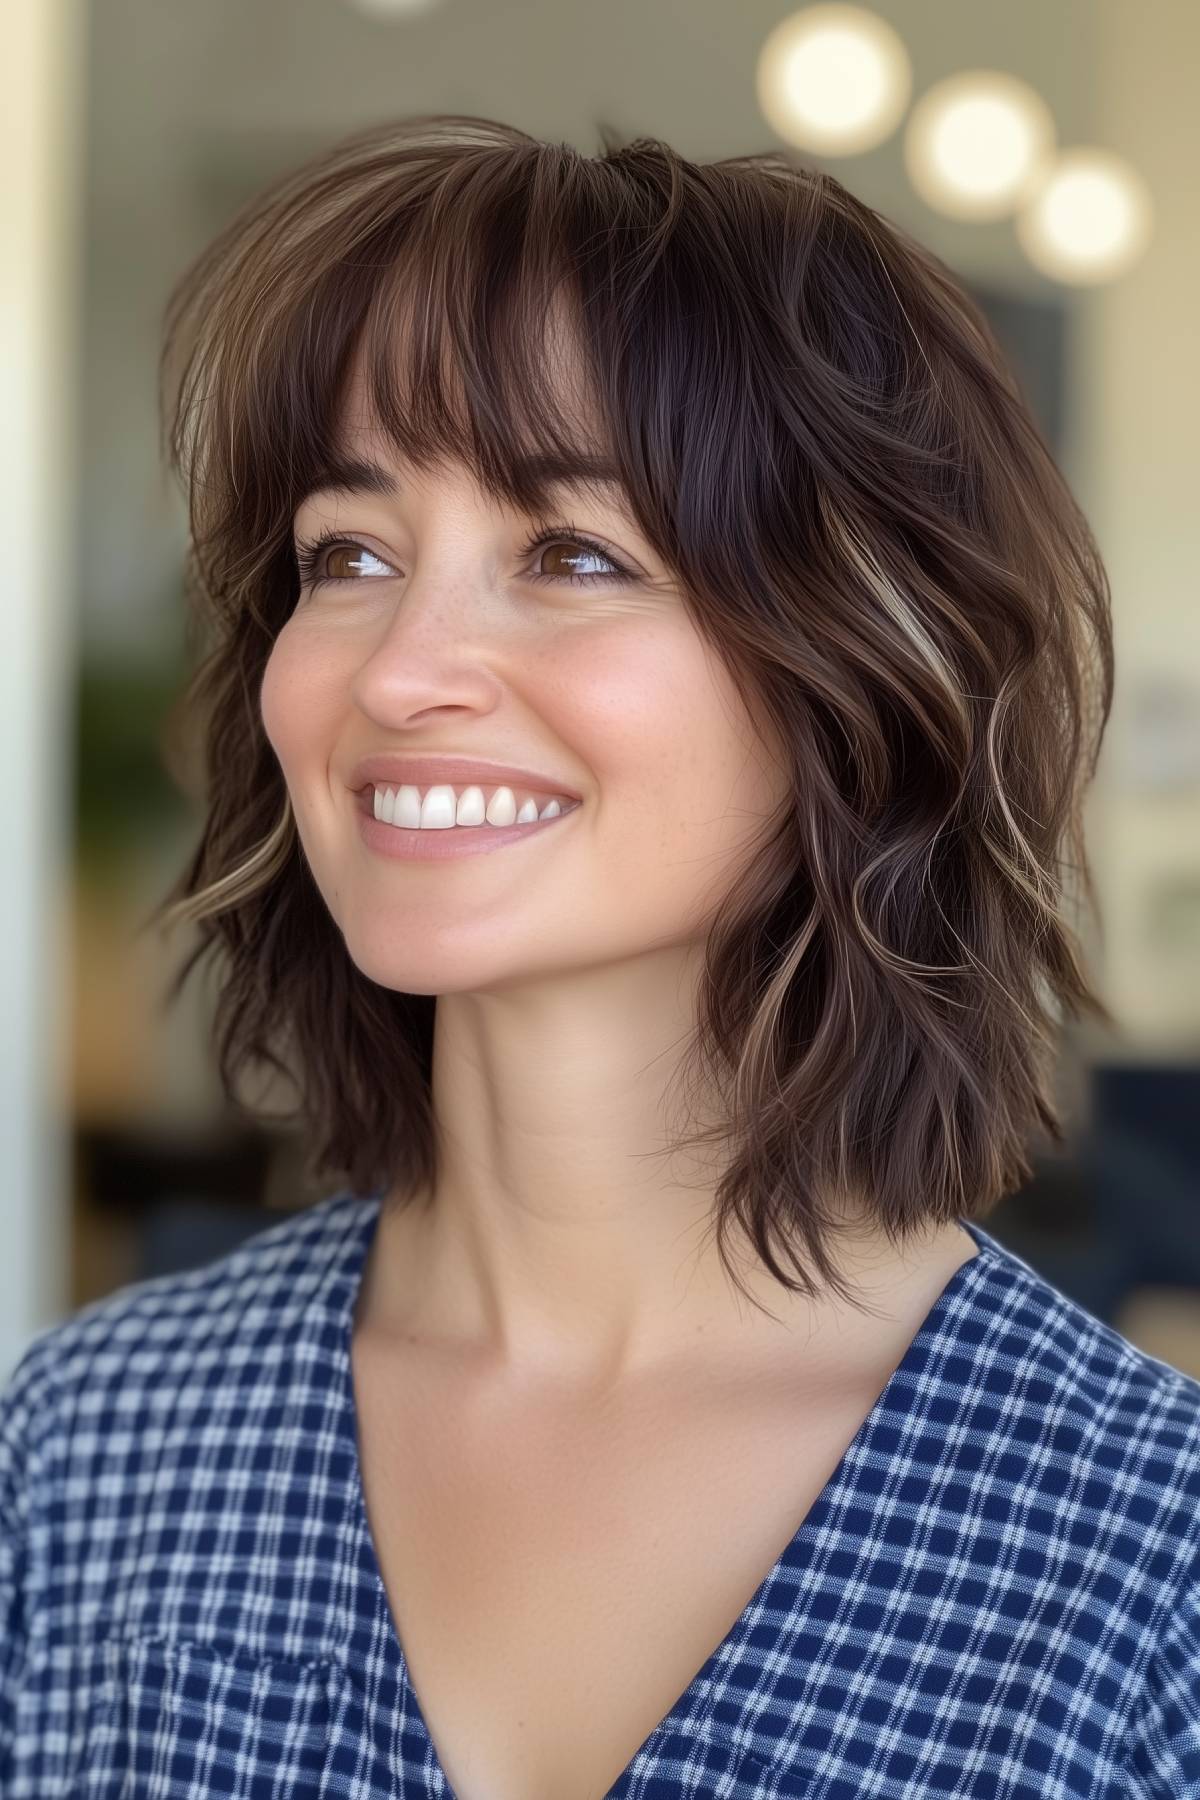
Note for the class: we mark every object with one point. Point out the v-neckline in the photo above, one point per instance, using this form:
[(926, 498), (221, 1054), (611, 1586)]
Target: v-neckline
[(889, 1403)]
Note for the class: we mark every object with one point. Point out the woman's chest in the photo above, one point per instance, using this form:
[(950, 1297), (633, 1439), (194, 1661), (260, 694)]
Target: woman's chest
[(557, 1584)]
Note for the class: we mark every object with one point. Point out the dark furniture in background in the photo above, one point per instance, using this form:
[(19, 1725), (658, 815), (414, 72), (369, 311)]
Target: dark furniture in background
[(1119, 1210), (1122, 1209)]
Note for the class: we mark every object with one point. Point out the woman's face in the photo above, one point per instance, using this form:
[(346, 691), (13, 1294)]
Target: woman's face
[(437, 641)]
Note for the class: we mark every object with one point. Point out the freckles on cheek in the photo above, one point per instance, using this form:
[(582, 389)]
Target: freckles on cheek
[(633, 684), (655, 711)]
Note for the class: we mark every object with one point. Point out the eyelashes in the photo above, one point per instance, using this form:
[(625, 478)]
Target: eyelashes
[(310, 554)]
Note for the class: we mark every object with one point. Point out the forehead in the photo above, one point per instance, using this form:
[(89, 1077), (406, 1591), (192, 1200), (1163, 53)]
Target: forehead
[(352, 473), (551, 446), (364, 461)]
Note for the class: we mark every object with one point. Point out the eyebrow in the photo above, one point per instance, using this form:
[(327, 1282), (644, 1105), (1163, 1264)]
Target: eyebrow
[(586, 476)]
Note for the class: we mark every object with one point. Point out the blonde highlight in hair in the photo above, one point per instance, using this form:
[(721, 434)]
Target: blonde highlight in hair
[(237, 887)]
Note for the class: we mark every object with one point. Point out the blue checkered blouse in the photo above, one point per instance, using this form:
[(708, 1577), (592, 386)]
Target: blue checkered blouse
[(996, 1594)]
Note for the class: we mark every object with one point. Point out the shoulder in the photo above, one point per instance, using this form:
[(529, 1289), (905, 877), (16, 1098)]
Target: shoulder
[(162, 1452), (189, 1339), (1053, 1348), (1115, 1430), (1080, 1472)]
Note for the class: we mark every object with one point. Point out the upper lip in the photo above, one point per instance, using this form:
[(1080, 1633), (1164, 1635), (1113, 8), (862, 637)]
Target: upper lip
[(420, 771)]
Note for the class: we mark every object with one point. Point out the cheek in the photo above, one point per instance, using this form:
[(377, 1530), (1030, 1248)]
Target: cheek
[(657, 718), (272, 703), (296, 693)]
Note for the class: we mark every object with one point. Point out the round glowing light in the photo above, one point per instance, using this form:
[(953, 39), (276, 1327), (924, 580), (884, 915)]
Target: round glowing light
[(978, 144), (834, 78), (1090, 220)]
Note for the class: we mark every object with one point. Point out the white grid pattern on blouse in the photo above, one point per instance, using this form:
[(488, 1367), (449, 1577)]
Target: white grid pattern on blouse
[(996, 1596)]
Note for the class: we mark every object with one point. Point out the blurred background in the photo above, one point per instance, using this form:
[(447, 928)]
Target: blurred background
[(1047, 150)]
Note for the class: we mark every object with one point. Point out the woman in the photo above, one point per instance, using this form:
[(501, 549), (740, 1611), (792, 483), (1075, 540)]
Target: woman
[(646, 1414)]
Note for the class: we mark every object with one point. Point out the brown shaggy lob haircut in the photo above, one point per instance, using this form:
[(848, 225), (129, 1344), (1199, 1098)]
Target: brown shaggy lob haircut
[(817, 431)]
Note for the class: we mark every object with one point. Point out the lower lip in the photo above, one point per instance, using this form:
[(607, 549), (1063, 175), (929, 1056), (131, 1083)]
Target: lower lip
[(454, 840)]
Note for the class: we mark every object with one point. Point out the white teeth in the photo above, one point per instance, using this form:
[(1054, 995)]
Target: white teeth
[(469, 810), (440, 809), (437, 809), (501, 808)]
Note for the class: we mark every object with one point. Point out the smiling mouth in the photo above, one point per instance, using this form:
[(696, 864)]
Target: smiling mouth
[(537, 810)]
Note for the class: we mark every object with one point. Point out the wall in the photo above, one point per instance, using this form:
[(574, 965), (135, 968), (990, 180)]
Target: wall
[(1134, 453), (39, 295)]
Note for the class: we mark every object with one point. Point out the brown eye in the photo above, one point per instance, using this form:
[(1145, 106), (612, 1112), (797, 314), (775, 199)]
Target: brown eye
[(333, 558), (568, 561), (344, 561), (570, 553)]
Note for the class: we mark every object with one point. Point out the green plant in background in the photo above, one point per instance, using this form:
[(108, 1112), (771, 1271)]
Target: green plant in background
[(125, 796)]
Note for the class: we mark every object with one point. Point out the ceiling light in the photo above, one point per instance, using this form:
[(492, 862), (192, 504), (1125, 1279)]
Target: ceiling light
[(835, 79), (978, 144), (1091, 219)]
